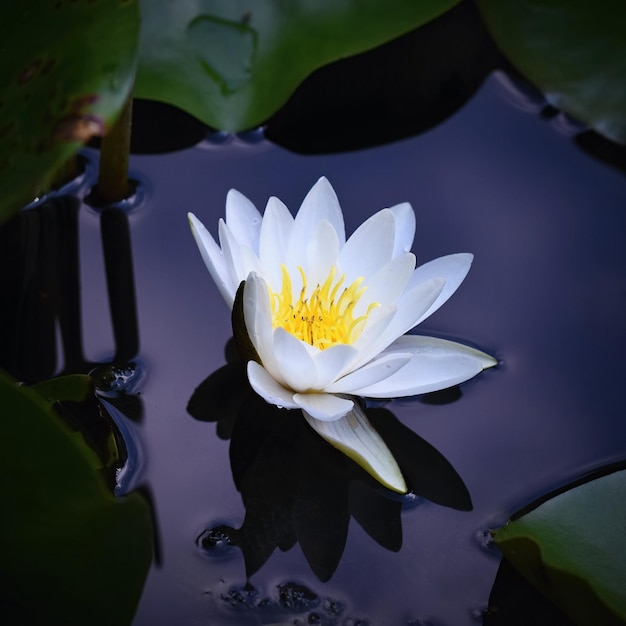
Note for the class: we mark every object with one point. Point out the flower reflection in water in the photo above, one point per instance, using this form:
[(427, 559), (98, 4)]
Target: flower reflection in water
[(297, 489)]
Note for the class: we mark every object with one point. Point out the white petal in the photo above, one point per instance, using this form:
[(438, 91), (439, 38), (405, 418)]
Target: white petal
[(268, 388), (322, 253), (321, 203), (296, 365), (323, 406), (453, 268), (357, 439), (410, 307), (213, 258), (405, 228), (332, 362), (243, 220), (232, 253), (435, 364), (370, 247), (373, 372), (258, 317), (274, 240), (387, 283)]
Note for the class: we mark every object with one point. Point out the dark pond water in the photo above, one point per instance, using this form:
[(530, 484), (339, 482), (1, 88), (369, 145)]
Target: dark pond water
[(546, 295)]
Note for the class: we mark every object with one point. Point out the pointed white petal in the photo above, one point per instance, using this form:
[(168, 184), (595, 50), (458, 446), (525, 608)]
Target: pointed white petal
[(269, 389), (332, 362), (453, 268), (369, 374), (370, 247), (323, 406), (405, 228), (321, 203), (213, 258), (410, 307), (414, 344), (232, 253), (322, 253), (258, 317), (274, 240), (388, 283), (243, 219), (435, 364), (357, 439), (296, 365)]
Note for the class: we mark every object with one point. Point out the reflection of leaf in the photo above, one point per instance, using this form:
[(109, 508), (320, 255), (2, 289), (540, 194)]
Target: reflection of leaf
[(573, 548), (65, 71), (72, 553), (513, 601), (232, 63), (394, 91), (574, 51)]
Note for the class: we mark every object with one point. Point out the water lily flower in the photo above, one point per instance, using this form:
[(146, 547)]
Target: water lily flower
[(327, 316)]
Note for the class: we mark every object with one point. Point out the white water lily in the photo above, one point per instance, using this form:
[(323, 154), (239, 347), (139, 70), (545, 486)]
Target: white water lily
[(328, 316)]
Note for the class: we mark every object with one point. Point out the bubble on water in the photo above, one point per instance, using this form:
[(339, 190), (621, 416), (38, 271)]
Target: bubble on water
[(296, 597), (240, 597), (113, 380), (333, 607), (218, 540), (486, 541)]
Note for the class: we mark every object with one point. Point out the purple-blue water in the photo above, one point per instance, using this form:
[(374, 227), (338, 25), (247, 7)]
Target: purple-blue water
[(546, 295)]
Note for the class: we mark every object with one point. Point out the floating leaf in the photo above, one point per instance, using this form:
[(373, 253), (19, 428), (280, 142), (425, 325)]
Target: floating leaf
[(575, 52), (72, 553), (573, 548), (232, 63), (71, 388), (66, 68)]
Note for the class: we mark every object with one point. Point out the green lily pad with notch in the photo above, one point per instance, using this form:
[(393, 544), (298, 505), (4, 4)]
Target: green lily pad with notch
[(233, 63), (72, 553), (66, 68), (573, 50), (572, 547)]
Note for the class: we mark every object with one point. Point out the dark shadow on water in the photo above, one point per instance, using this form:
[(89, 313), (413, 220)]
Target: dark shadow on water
[(296, 488), (41, 333), (40, 274)]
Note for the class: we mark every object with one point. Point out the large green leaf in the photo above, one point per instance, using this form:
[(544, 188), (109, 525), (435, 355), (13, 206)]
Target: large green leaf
[(573, 50), (232, 63), (573, 548), (66, 68), (72, 553)]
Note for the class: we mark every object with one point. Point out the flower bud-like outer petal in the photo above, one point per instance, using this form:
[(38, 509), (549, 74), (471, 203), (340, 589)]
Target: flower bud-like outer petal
[(356, 438)]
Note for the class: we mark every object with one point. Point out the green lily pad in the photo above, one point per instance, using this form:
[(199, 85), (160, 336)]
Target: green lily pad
[(574, 51), (72, 553), (71, 388), (572, 547), (66, 68), (233, 63)]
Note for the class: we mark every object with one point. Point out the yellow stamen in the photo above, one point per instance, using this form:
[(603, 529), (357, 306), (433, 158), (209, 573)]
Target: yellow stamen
[(321, 319)]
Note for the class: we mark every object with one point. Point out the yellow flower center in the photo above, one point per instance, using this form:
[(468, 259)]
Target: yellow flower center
[(326, 316)]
